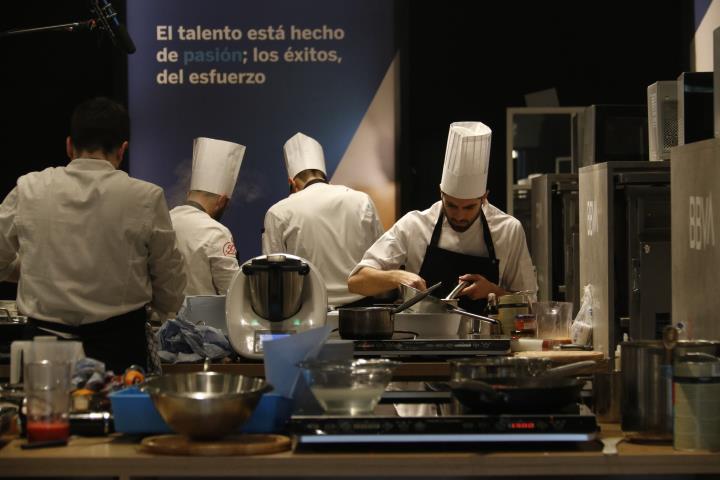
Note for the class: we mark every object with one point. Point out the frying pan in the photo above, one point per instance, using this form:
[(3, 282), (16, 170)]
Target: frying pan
[(517, 395), (374, 323), (547, 391)]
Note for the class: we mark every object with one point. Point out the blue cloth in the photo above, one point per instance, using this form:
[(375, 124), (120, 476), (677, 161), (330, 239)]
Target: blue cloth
[(89, 373), (182, 342)]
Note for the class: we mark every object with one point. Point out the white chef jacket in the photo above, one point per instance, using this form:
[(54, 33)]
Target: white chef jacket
[(406, 241), (208, 248), (92, 243), (329, 225)]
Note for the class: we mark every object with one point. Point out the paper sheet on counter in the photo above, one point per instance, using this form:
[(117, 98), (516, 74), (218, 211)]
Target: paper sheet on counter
[(283, 354)]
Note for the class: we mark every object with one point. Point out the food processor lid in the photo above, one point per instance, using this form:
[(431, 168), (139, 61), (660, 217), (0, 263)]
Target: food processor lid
[(276, 262)]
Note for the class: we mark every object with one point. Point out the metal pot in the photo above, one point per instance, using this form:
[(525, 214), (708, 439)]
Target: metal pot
[(374, 323), (647, 385), (276, 285), (449, 305)]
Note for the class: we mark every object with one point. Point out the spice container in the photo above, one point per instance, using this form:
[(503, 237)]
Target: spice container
[(526, 325)]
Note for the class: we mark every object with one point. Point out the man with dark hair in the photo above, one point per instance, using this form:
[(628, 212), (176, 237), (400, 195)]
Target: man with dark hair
[(92, 246)]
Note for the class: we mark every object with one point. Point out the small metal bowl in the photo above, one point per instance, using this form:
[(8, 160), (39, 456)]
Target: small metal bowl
[(205, 405)]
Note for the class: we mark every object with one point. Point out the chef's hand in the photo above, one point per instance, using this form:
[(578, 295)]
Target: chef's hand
[(410, 279), (479, 287)]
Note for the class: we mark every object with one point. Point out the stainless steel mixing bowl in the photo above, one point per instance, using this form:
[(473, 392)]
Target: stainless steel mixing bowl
[(205, 404)]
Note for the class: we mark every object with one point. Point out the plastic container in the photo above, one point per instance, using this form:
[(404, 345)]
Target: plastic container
[(135, 413)]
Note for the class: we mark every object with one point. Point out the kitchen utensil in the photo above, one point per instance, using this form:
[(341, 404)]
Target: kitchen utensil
[(607, 396), (485, 368), (42, 348), (348, 387), (516, 395), (205, 404), (273, 296), (553, 319), (445, 305), (374, 323), (429, 304), (451, 305), (456, 291), (515, 384), (696, 425), (276, 285), (646, 406), (47, 387)]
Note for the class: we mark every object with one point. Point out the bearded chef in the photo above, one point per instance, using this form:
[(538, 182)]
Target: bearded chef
[(330, 225), (206, 244), (462, 237)]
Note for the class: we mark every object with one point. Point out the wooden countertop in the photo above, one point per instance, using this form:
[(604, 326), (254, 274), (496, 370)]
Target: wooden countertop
[(119, 456)]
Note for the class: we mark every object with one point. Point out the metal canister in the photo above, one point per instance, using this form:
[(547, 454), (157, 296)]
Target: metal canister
[(696, 402), (509, 306), (646, 406)]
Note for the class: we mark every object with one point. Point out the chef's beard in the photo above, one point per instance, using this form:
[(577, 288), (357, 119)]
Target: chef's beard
[(461, 226)]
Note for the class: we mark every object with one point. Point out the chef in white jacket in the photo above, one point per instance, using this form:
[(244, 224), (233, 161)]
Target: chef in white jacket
[(330, 225), (93, 246), (460, 237), (206, 244)]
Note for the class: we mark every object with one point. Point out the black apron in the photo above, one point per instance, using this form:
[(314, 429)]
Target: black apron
[(118, 342), (440, 265)]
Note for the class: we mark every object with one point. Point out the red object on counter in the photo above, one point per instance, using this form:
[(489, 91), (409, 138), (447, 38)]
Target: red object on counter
[(43, 431)]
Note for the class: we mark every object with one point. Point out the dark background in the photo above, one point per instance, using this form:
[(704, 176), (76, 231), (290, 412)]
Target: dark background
[(460, 60), (472, 60)]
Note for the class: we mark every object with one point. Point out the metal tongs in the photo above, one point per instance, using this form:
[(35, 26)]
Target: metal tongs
[(451, 305)]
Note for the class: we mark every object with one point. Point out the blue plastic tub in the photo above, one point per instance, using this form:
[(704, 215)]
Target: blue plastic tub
[(135, 413)]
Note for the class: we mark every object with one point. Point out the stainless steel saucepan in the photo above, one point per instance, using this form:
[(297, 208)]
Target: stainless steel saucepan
[(447, 304), (374, 323)]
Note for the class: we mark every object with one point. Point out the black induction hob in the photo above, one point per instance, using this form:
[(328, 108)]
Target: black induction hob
[(490, 345), (347, 430)]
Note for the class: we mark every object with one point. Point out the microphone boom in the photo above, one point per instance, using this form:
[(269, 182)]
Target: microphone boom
[(107, 20)]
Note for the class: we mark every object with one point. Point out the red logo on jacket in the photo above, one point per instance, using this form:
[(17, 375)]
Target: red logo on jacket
[(229, 249)]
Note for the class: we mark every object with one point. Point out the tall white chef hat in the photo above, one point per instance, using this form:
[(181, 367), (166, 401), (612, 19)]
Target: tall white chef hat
[(303, 153), (215, 166), (467, 156)]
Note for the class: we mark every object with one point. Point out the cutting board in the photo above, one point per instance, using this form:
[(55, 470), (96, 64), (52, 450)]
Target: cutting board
[(233, 445), (563, 356)]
